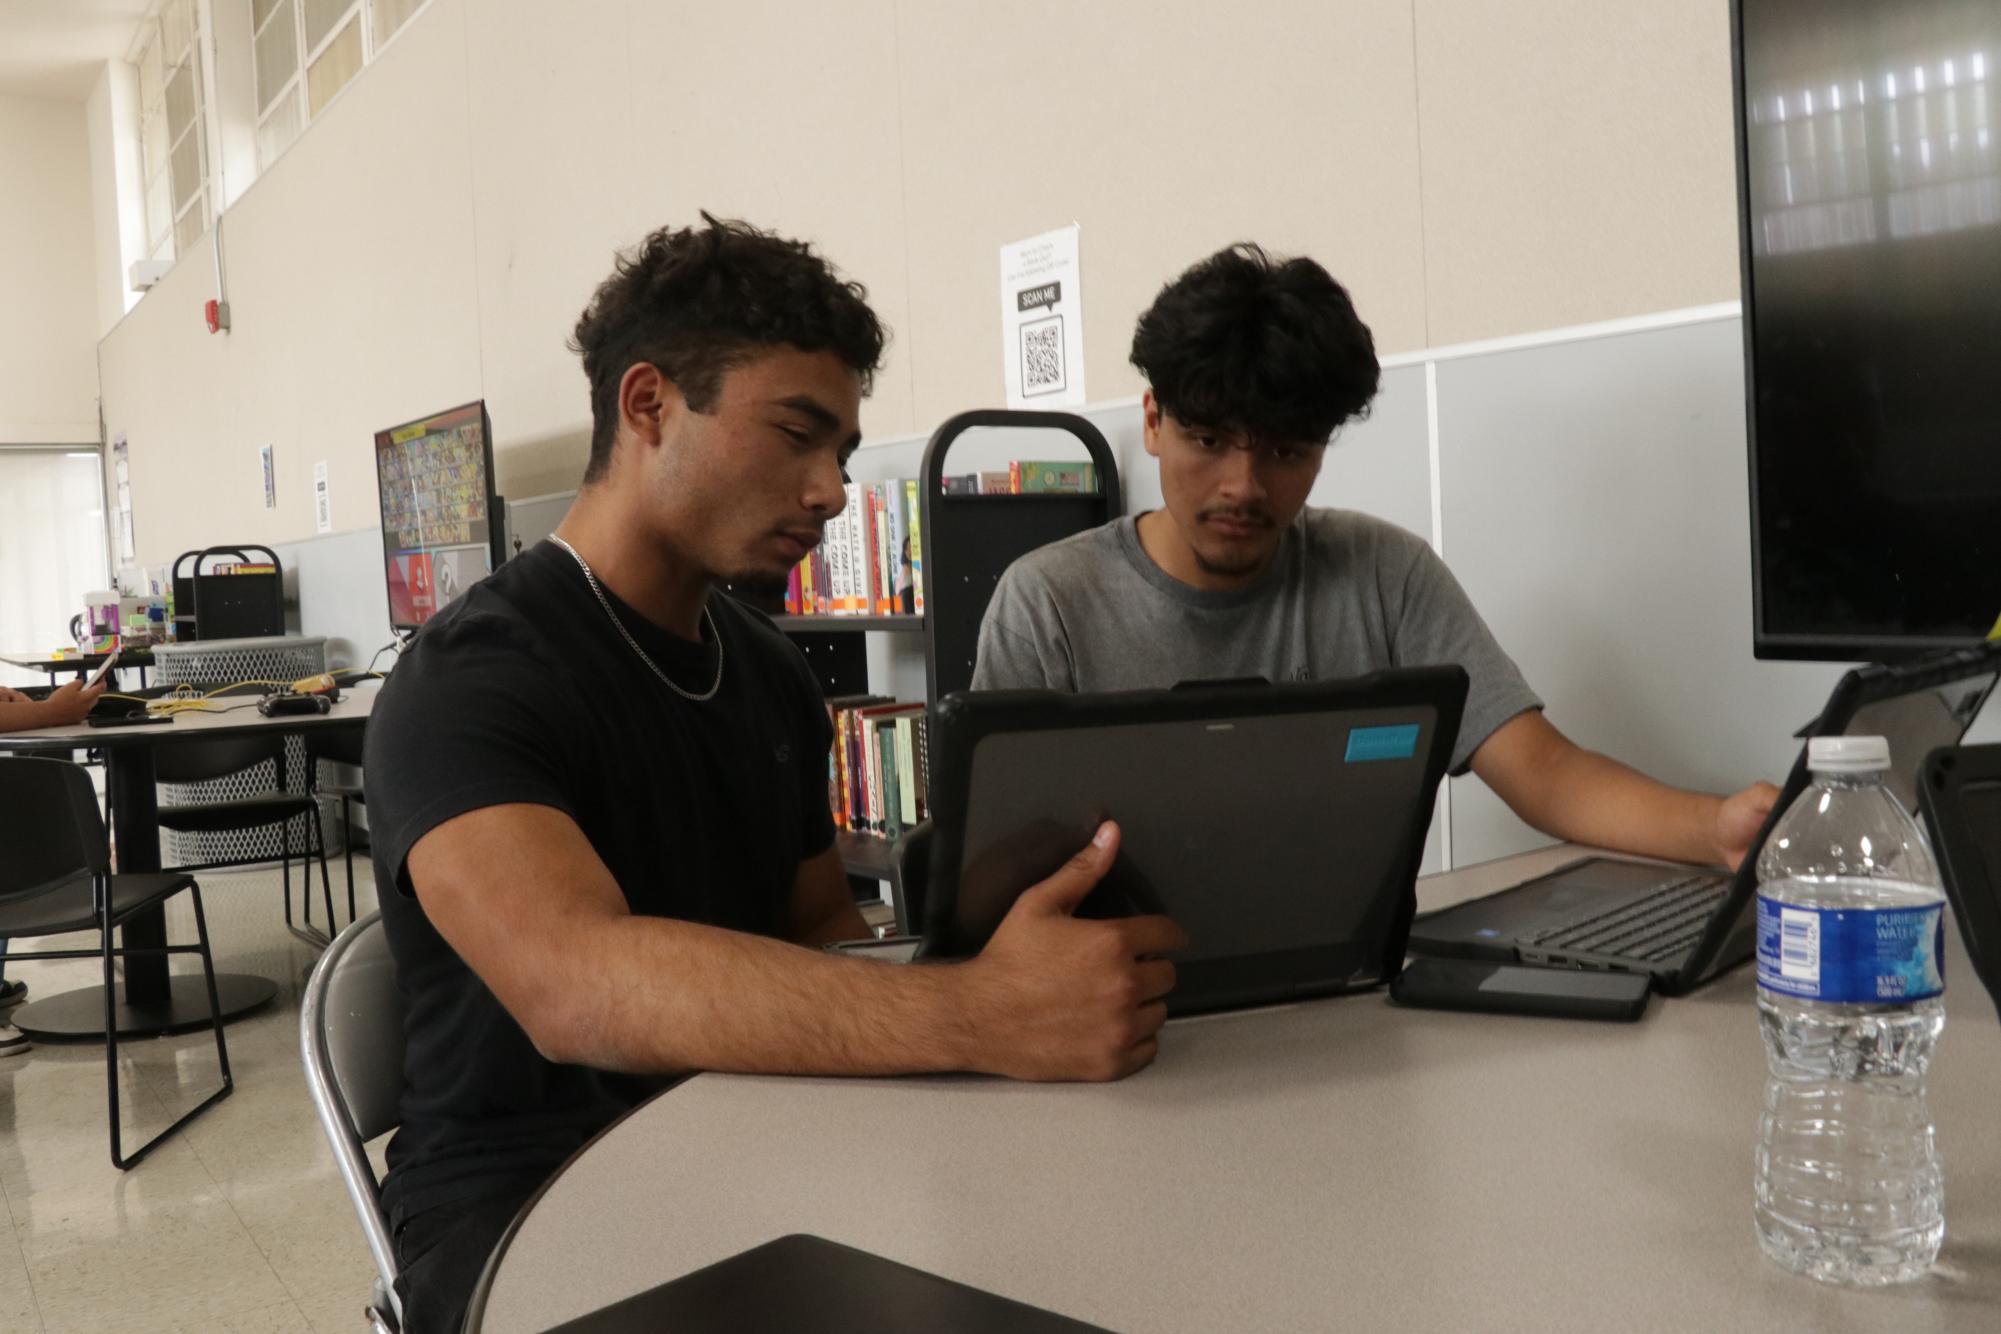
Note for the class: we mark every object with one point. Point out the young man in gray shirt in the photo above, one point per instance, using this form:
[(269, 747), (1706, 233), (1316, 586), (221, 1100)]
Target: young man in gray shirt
[(1253, 363)]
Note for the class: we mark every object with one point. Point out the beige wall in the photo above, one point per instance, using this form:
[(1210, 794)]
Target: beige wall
[(1470, 168), (48, 293)]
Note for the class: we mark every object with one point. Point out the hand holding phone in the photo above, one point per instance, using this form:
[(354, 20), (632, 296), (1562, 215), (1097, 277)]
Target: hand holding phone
[(69, 703)]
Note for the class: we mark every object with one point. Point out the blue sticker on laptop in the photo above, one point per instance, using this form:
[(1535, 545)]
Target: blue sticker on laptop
[(1382, 743)]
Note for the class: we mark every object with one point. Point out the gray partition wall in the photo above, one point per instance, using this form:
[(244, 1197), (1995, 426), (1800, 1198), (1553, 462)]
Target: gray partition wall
[(1595, 507)]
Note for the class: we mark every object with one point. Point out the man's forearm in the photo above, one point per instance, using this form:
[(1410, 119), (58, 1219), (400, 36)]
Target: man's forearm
[(665, 996), (22, 714), (1593, 799)]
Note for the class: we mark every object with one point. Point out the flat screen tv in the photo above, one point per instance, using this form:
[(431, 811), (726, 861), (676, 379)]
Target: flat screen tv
[(1869, 188), (441, 520)]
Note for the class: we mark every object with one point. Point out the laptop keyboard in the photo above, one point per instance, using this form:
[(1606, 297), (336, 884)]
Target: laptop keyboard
[(1665, 923)]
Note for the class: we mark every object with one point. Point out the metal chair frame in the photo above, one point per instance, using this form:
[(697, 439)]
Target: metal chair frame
[(354, 984)]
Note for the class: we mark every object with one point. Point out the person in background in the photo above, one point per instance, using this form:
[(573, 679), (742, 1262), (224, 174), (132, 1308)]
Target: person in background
[(21, 713), (1253, 363)]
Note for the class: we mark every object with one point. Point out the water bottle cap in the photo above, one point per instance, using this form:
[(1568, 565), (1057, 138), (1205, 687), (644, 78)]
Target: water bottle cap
[(1847, 754)]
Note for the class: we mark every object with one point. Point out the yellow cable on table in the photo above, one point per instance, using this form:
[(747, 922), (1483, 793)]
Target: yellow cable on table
[(186, 699)]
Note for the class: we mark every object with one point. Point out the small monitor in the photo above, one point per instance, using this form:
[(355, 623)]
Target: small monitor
[(441, 520)]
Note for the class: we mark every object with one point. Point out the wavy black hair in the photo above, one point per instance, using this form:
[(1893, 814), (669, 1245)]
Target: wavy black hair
[(697, 302), (1242, 341)]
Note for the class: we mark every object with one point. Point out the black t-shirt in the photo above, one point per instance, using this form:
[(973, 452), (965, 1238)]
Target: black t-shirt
[(524, 691)]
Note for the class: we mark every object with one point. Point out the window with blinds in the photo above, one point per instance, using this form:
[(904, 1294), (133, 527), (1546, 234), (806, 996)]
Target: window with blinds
[(173, 145), (303, 52)]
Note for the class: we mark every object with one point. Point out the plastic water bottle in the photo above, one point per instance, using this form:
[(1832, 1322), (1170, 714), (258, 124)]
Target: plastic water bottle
[(1850, 932)]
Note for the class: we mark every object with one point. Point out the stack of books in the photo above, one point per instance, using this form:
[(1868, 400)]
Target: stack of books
[(879, 770), (1031, 477), (871, 560)]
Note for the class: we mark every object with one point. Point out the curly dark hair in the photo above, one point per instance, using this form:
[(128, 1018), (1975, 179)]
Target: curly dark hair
[(697, 302), (1242, 341)]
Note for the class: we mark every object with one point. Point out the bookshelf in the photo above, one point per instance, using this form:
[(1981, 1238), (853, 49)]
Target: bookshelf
[(968, 541)]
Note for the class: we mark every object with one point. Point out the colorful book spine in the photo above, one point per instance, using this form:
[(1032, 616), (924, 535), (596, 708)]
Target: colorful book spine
[(897, 527), (863, 776), (831, 541), (870, 558), (892, 796), (1038, 477), (877, 785), (837, 795), (914, 511), (793, 583), (906, 769), (854, 581), (886, 553), (872, 552)]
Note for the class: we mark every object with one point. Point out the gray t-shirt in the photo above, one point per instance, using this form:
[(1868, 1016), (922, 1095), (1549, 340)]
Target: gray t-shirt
[(1347, 594)]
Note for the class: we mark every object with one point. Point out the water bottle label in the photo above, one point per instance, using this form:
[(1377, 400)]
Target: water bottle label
[(1850, 955)]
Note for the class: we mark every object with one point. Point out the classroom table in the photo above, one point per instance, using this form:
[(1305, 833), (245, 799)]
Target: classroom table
[(83, 663), (154, 1001), (1333, 1164)]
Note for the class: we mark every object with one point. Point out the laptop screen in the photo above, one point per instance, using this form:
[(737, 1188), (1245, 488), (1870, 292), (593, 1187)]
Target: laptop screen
[(1917, 723), (1981, 805), (1253, 833)]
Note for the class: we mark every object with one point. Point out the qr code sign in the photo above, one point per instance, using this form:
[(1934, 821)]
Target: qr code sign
[(1042, 357)]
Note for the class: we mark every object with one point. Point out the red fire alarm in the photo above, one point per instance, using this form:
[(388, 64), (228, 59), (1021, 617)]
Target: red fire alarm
[(217, 315)]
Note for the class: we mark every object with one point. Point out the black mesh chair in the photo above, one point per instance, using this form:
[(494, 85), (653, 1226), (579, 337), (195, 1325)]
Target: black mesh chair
[(341, 747), (56, 878), (223, 757)]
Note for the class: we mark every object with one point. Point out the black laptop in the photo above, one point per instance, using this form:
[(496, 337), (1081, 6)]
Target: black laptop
[(1684, 925), (1280, 825), (801, 1282), (1959, 791)]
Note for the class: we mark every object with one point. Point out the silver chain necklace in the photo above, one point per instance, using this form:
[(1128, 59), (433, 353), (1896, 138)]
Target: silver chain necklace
[(626, 634)]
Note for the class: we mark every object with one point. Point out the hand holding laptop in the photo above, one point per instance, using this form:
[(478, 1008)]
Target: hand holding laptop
[(1740, 819), (1058, 997)]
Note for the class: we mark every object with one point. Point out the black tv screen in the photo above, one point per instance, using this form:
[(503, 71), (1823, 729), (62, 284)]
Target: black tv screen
[(441, 529), (1869, 184)]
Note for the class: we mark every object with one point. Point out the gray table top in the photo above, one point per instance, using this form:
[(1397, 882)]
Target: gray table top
[(235, 714), (1335, 1164)]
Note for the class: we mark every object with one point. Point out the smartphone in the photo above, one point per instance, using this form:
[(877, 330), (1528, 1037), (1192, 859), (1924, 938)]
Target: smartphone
[(1510, 988), (139, 719), (104, 668)]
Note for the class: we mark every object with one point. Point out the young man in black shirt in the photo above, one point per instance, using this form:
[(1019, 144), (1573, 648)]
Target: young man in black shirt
[(599, 786)]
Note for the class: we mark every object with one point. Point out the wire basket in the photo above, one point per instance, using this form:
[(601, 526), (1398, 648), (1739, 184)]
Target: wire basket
[(208, 664)]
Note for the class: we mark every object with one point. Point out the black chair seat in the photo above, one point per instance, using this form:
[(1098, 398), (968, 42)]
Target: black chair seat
[(351, 790), (55, 878), (249, 813), (67, 906)]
